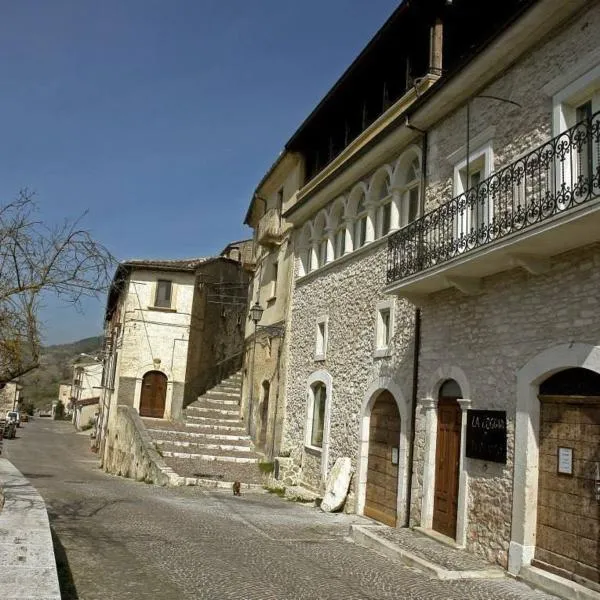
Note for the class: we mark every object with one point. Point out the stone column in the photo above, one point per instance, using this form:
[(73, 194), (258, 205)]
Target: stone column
[(371, 223), (463, 478), (330, 232), (429, 407), (349, 225), (395, 220)]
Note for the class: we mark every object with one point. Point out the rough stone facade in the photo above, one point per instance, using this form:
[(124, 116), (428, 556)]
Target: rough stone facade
[(516, 315), (346, 292)]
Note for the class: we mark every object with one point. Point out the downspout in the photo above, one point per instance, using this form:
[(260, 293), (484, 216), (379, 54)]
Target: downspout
[(416, 350)]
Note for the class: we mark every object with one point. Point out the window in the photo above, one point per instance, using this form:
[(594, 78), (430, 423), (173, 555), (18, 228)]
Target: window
[(360, 225), (383, 198), (340, 241), (384, 327), (321, 342), (323, 252), (274, 277), (163, 294), (317, 414), (386, 218), (477, 212), (411, 194)]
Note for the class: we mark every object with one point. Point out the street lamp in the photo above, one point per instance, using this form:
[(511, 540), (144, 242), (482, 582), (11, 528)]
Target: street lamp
[(256, 313)]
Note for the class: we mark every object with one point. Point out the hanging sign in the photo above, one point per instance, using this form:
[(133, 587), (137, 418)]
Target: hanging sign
[(486, 435)]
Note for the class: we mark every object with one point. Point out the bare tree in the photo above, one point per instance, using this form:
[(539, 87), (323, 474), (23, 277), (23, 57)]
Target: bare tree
[(37, 261)]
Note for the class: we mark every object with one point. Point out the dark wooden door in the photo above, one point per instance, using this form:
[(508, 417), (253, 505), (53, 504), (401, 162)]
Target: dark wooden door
[(154, 395), (447, 458), (382, 474)]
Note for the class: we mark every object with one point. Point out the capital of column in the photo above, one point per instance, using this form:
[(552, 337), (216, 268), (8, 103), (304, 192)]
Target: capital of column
[(464, 403), (428, 403)]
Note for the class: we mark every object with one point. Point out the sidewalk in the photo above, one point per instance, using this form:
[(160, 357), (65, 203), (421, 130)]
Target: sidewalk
[(424, 552)]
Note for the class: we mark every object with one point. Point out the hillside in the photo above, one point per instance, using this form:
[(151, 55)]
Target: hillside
[(41, 386)]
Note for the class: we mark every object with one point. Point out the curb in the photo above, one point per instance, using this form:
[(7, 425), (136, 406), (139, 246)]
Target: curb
[(363, 537)]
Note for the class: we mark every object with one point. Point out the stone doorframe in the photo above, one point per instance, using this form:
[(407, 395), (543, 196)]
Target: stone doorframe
[(138, 387), (373, 391), (429, 407), (527, 431)]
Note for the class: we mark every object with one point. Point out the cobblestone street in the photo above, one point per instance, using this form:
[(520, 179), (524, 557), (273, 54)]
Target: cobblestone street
[(116, 538)]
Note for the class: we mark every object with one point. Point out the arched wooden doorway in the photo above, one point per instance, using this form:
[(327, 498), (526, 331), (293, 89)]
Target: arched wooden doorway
[(568, 511), (447, 459), (264, 414), (381, 498), (154, 395)]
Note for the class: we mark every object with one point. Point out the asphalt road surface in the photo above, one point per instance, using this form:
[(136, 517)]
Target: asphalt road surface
[(119, 539)]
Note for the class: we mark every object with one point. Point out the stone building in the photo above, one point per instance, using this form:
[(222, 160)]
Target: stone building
[(263, 390), (447, 245), (504, 267), (10, 397), (173, 329), (86, 388)]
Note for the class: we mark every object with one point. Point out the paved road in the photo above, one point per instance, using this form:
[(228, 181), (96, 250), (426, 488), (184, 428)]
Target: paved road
[(115, 538)]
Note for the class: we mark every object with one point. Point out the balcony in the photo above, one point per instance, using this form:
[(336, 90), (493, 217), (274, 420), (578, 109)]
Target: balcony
[(270, 228), (544, 203)]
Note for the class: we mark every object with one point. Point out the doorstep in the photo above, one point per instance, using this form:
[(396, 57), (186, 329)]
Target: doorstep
[(416, 549)]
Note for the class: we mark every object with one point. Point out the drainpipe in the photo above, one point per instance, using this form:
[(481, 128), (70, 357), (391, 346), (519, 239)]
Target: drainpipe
[(416, 349)]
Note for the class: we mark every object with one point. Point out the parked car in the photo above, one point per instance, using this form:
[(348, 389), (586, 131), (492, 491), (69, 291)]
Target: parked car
[(8, 428), (13, 415)]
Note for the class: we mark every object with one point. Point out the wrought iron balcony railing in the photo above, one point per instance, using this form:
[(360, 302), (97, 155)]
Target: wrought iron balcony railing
[(558, 176)]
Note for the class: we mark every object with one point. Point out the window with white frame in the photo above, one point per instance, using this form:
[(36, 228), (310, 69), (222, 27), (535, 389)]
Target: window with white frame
[(383, 197), (360, 225), (411, 194), (384, 327), (476, 212), (321, 339), (163, 295), (316, 414), (274, 277)]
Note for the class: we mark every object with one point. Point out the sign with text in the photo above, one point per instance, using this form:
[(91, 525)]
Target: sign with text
[(486, 435)]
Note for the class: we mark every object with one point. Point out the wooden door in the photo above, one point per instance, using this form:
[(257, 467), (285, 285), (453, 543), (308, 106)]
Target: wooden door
[(154, 395), (568, 512), (447, 458), (264, 414), (382, 474)]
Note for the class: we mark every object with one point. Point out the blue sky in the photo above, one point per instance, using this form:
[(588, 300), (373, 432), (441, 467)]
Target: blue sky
[(159, 117)]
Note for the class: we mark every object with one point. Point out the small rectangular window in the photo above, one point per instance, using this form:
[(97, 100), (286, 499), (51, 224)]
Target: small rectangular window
[(321, 342), (384, 328), (274, 277), (163, 294)]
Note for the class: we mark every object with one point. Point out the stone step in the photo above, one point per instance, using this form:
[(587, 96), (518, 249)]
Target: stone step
[(216, 470), (214, 418), (219, 395), (210, 457), (227, 387), (205, 410), (214, 483), (242, 446), (178, 435), (217, 427), (201, 402)]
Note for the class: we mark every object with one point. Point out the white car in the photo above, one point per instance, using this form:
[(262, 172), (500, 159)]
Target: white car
[(13, 415)]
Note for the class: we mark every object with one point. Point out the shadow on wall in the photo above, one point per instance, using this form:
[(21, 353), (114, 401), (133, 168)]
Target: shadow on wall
[(68, 591)]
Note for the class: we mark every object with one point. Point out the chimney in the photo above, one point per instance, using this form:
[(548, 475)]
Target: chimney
[(436, 42)]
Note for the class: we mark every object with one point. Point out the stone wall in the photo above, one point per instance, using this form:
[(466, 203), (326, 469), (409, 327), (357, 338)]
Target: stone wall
[(130, 452), (29, 566), (347, 292), (513, 131), (217, 326), (490, 337), (126, 391)]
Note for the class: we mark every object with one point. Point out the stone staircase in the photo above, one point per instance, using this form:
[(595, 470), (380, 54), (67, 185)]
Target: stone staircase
[(211, 448)]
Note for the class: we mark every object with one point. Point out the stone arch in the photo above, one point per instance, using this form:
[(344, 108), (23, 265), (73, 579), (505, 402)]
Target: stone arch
[(399, 176), (377, 386), (379, 177), (139, 376), (358, 191), (527, 431), (444, 373)]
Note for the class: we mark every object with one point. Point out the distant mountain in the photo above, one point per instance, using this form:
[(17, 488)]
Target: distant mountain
[(41, 386)]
